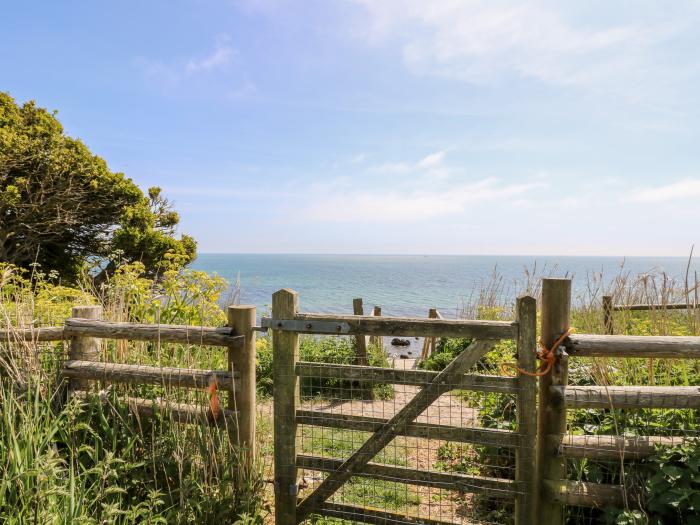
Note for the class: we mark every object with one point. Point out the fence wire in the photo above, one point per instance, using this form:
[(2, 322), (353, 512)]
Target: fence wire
[(448, 466), (631, 440)]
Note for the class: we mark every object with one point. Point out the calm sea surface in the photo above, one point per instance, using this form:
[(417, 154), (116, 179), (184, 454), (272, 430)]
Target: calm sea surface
[(407, 284)]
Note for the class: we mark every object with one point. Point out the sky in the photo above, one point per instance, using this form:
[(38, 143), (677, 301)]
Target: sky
[(387, 126)]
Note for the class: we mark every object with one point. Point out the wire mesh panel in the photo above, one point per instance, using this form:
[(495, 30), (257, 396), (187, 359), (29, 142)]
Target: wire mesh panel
[(454, 463), (634, 454)]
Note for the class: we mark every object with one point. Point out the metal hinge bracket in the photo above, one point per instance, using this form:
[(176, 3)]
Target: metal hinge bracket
[(310, 327)]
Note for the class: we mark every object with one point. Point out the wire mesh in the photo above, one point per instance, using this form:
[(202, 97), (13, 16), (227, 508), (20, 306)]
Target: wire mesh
[(618, 447), (450, 465)]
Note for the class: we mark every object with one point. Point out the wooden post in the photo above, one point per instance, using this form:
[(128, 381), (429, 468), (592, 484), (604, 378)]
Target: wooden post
[(285, 354), (526, 413), (242, 319), (85, 348), (361, 340), (377, 340), (555, 319), (430, 343), (608, 314)]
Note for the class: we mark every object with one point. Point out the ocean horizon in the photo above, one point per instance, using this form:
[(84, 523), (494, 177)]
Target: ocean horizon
[(408, 285)]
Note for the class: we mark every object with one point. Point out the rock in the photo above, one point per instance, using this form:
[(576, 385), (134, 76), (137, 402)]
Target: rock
[(396, 341), (403, 356)]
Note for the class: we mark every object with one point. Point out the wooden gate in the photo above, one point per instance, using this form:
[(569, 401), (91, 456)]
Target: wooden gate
[(297, 500)]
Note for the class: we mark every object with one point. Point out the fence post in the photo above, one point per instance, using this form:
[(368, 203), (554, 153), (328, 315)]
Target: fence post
[(242, 319), (361, 340), (526, 414), (84, 348), (608, 314), (429, 343), (377, 339), (285, 354), (556, 306)]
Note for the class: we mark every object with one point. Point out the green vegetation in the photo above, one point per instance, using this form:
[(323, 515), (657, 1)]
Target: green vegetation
[(63, 208), (337, 350), (91, 459)]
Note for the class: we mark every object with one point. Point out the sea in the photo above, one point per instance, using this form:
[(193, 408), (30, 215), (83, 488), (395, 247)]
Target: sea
[(408, 285)]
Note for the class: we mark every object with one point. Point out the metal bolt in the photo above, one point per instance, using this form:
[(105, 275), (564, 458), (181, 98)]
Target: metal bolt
[(308, 326)]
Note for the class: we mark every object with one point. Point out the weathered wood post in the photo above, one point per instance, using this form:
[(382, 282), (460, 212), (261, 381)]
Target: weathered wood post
[(361, 340), (555, 319), (285, 354), (526, 414), (377, 340), (608, 314), (242, 360), (430, 343), (84, 348)]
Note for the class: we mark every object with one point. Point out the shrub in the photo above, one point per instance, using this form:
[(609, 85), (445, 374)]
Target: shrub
[(337, 350)]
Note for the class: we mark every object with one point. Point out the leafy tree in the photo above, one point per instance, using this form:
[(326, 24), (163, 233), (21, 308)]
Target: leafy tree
[(61, 206)]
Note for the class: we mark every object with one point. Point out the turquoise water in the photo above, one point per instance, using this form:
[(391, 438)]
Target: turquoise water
[(406, 284)]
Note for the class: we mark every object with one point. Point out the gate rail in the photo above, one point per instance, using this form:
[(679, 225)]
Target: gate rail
[(287, 323)]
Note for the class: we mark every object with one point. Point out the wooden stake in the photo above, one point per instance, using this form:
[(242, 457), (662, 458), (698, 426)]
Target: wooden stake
[(555, 319), (526, 413), (377, 339), (361, 340), (285, 354), (242, 361), (85, 348), (608, 314)]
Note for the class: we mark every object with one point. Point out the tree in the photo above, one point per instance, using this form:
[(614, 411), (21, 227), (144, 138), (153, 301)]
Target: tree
[(61, 206)]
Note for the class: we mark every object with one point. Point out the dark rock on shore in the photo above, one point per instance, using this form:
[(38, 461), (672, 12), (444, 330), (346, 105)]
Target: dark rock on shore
[(396, 341)]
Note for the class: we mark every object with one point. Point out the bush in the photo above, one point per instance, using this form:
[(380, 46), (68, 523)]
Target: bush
[(337, 350), (670, 488)]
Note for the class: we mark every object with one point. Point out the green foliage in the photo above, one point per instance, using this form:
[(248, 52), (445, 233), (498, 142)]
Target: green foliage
[(445, 351), (62, 206), (670, 488), (338, 350), (94, 462)]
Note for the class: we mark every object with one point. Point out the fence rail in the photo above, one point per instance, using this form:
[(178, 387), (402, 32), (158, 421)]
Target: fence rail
[(609, 307), (538, 482), (85, 330)]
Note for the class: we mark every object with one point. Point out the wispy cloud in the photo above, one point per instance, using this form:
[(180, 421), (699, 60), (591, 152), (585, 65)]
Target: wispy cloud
[(433, 189), (684, 189), (482, 40), (221, 56), (176, 71)]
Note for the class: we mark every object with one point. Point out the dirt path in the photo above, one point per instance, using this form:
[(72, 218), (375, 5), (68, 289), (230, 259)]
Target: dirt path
[(447, 410)]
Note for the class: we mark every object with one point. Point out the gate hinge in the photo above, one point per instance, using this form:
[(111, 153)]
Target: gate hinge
[(309, 327)]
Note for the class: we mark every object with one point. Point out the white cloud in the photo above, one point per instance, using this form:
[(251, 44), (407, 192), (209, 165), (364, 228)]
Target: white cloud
[(482, 40), (684, 189), (220, 57), (428, 188), (177, 71)]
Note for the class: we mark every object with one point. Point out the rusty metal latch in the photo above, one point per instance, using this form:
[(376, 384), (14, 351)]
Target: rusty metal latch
[(309, 327)]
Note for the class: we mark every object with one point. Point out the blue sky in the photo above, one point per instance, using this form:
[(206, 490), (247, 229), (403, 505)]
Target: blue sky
[(388, 126)]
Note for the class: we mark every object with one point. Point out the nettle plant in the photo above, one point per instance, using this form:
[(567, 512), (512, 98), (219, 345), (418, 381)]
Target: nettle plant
[(670, 488)]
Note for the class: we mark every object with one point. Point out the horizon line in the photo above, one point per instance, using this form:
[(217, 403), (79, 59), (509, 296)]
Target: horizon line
[(688, 256)]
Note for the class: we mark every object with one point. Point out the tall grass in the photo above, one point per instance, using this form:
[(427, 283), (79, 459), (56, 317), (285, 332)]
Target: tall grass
[(89, 458)]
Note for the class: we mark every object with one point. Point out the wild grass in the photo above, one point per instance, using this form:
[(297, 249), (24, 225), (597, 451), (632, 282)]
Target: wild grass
[(90, 458)]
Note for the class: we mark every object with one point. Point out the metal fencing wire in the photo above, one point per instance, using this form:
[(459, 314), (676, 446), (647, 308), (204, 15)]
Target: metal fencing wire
[(454, 464), (621, 447)]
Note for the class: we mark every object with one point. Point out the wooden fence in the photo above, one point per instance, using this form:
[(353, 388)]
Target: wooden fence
[(539, 487), (85, 330), (287, 323), (609, 307), (555, 445)]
